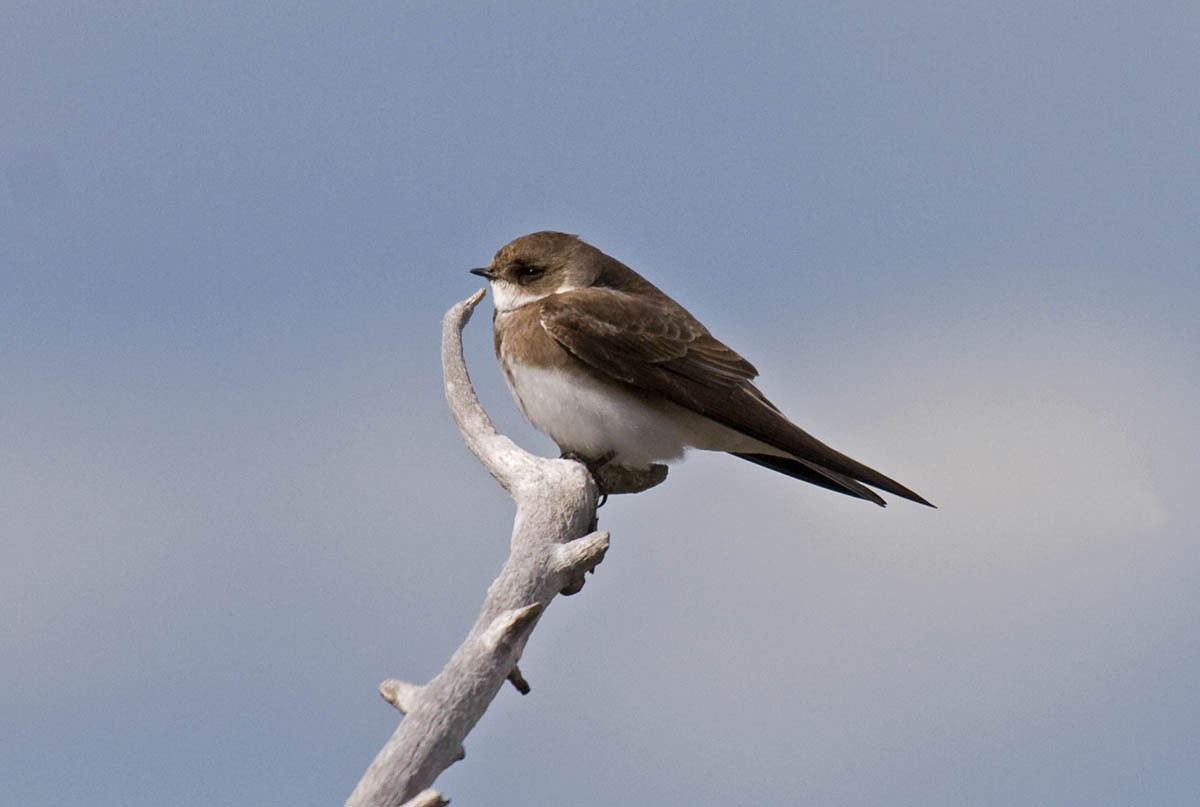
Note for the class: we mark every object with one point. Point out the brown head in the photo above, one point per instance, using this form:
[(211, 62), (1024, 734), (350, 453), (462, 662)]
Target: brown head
[(543, 263)]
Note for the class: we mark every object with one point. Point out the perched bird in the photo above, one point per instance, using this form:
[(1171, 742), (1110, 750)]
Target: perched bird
[(614, 370)]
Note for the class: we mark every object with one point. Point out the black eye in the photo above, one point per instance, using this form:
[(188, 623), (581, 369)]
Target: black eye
[(527, 271)]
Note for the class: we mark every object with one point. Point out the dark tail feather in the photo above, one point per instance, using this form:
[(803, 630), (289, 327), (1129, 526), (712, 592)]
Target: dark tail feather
[(856, 470), (810, 459), (815, 475), (833, 480)]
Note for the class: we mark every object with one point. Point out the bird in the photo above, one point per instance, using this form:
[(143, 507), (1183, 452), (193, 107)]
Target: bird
[(614, 370)]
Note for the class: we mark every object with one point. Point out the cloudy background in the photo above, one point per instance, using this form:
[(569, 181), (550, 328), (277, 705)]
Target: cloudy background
[(960, 241)]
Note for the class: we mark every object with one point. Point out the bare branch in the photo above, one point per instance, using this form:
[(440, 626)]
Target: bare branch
[(400, 694), (615, 479), (511, 626), (504, 459), (518, 681), (553, 545)]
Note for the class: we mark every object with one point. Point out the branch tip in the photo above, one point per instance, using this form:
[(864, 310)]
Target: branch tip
[(581, 554), (614, 479), (400, 694), (511, 624), (468, 305), (427, 798), (518, 681)]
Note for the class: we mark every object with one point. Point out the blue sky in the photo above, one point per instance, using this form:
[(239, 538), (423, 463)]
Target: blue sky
[(958, 240)]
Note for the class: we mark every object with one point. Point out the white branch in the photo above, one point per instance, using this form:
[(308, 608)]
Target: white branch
[(400, 694), (427, 798), (504, 459), (553, 546)]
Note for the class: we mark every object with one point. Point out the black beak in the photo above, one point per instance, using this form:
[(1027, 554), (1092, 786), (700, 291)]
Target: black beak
[(483, 271)]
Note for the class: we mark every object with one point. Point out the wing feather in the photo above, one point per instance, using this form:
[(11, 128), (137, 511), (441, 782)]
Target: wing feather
[(653, 343)]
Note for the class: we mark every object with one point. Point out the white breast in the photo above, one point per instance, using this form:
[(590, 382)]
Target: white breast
[(594, 419)]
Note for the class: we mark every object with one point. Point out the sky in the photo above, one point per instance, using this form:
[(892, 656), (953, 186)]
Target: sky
[(959, 241)]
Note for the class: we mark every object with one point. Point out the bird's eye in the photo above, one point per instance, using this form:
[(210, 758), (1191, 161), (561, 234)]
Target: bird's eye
[(528, 271)]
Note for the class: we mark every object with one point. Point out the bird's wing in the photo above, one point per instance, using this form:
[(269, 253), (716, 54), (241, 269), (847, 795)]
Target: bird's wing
[(642, 341), (656, 345)]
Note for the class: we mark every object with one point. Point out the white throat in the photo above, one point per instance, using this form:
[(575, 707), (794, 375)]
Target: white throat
[(507, 296)]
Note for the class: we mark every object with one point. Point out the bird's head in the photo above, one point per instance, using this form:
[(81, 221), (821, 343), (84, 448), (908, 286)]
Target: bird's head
[(538, 265)]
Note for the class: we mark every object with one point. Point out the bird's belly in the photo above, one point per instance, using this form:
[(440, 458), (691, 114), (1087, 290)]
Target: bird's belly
[(595, 418)]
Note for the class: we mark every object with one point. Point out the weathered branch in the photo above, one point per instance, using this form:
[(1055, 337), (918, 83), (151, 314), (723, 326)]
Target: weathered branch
[(553, 546), (427, 798)]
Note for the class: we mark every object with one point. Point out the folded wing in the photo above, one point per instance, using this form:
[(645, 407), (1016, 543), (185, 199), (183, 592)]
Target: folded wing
[(653, 343)]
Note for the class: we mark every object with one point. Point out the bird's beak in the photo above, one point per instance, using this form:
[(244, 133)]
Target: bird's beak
[(483, 271)]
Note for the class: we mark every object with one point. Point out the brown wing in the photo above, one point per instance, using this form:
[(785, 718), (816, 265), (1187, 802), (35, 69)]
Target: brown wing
[(654, 344), (635, 339)]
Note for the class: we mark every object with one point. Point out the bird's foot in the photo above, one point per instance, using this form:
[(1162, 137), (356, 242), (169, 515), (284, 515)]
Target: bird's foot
[(611, 478), (593, 466)]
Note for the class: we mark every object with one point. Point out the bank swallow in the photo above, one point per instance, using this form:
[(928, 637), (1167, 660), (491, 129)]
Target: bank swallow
[(614, 370)]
